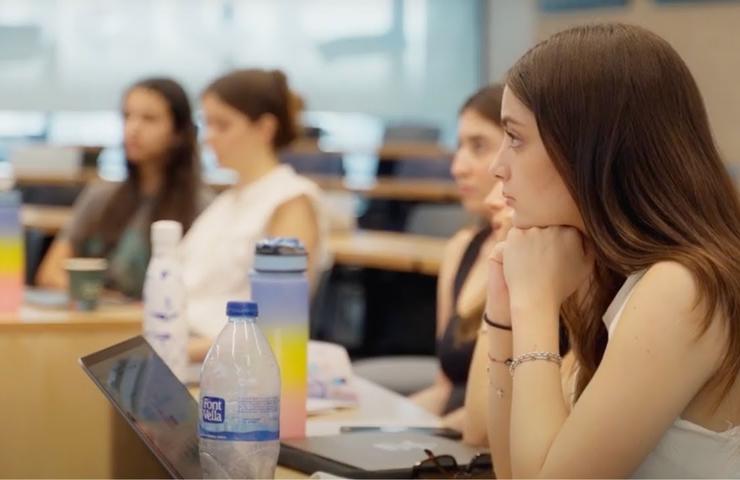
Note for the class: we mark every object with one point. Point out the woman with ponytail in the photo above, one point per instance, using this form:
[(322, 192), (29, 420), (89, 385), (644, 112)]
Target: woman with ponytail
[(249, 116)]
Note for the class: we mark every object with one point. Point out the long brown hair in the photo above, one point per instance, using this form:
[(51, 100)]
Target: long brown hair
[(256, 93), (625, 125), (487, 103), (177, 199)]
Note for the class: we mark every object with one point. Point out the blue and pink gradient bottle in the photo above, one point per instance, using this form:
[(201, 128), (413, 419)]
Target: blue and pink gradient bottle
[(11, 252), (280, 288)]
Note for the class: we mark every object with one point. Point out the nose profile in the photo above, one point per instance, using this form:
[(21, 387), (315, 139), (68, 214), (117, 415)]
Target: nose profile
[(495, 200)]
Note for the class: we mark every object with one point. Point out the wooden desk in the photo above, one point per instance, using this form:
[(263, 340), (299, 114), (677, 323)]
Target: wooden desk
[(413, 151), (58, 424), (47, 219), (51, 180), (402, 189), (388, 251), (55, 421), (398, 150), (364, 248)]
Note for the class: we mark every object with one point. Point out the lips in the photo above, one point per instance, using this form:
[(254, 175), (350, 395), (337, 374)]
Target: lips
[(465, 190)]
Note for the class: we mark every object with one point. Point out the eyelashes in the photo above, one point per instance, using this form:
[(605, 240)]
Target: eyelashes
[(512, 140)]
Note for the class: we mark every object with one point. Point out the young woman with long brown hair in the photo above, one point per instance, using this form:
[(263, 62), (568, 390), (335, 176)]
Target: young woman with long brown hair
[(626, 225), (461, 289), (112, 220)]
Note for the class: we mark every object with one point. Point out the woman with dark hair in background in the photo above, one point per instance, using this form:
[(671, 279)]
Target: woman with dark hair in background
[(250, 115), (626, 225), (463, 272), (112, 220)]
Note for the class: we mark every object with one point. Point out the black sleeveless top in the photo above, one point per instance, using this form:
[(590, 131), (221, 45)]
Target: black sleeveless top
[(454, 359)]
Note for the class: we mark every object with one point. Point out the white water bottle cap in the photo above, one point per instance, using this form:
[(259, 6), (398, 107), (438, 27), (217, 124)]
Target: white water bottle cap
[(166, 234)]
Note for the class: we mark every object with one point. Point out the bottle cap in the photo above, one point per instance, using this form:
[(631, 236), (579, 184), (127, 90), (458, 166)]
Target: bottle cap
[(242, 309), (280, 254), (166, 234)]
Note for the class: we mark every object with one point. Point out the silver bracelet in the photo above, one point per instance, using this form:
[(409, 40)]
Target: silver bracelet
[(532, 356)]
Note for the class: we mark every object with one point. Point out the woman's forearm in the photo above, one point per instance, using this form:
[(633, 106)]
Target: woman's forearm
[(499, 399), (475, 424), (433, 398), (538, 409)]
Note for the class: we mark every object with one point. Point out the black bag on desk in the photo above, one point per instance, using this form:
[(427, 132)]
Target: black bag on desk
[(372, 454)]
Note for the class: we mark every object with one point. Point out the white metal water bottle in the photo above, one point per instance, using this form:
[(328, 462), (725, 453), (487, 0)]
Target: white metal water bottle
[(280, 287), (239, 425), (165, 325)]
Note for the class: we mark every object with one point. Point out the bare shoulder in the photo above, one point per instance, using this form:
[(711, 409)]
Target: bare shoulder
[(670, 281), (296, 218), (457, 243), (453, 251), (299, 207), (665, 306)]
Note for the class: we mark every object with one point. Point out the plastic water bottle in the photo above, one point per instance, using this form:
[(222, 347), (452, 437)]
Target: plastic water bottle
[(280, 287), (165, 325), (239, 424)]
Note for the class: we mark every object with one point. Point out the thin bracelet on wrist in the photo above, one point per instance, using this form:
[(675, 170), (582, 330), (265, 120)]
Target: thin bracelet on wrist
[(506, 362), (493, 324), (532, 356)]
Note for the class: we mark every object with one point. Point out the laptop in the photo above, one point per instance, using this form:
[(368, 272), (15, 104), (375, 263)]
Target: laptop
[(152, 400), (369, 454), (165, 416)]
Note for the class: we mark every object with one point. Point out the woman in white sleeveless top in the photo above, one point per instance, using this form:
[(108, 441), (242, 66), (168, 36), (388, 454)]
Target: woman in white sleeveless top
[(249, 116), (627, 225)]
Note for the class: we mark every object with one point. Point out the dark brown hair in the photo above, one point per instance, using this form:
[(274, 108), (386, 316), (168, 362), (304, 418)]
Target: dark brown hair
[(487, 103), (259, 92), (625, 125), (177, 199)]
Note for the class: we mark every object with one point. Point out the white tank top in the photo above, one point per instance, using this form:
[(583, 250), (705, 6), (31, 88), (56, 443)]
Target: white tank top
[(686, 450), (218, 250)]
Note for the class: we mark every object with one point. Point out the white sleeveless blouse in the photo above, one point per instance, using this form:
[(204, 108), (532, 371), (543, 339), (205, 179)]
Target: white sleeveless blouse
[(218, 250), (686, 450)]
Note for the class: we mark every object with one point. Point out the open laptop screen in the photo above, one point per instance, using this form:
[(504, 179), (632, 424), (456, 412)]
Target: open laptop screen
[(153, 401)]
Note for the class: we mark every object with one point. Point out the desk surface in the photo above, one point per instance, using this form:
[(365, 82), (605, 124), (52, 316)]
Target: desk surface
[(378, 406), (388, 251), (362, 248), (106, 317), (406, 189), (48, 392), (49, 382), (47, 219), (402, 189)]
